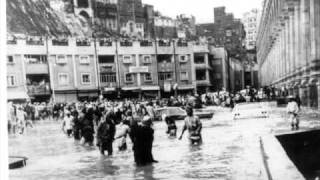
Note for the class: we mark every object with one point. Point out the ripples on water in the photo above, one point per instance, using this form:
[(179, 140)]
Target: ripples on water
[(54, 156)]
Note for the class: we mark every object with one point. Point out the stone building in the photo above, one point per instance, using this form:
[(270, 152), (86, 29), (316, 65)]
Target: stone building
[(250, 21), (288, 48)]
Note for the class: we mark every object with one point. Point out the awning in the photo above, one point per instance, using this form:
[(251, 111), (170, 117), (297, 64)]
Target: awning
[(14, 95), (130, 88), (150, 88), (185, 87), (87, 94)]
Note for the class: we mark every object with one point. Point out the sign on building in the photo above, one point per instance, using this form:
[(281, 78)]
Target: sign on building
[(140, 69)]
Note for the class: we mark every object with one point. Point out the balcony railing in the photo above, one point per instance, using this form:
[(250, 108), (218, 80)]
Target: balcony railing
[(83, 43), (39, 89), (164, 43), (35, 42), (182, 44), (62, 42), (145, 43), (125, 43), (105, 43), (12, 41)]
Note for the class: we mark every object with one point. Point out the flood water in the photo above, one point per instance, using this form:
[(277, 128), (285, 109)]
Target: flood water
[(229, 151)]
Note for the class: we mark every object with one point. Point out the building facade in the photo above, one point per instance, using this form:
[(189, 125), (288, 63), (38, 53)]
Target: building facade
[(288, 48), (250, 21), (77, 69), (226, 31)]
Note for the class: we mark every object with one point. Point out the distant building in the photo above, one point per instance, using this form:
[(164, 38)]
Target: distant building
[(186, 26), (164, 27), (250, 21), (226, 31), (227, 72)]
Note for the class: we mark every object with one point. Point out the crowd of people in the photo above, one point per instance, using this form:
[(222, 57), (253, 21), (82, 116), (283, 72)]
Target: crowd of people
[(104, 121)]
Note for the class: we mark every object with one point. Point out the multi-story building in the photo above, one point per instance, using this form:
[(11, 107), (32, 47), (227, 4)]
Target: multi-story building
[(250, 21), (73, 69), (226, 31), (227, 72), (56, 64), (288, 48)]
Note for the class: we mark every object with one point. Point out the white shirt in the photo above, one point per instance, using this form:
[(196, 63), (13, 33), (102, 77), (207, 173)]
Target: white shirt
[(68, 122), (292, 107)]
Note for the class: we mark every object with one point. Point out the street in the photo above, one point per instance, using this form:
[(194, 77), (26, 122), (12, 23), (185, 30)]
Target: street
[(230, 151)]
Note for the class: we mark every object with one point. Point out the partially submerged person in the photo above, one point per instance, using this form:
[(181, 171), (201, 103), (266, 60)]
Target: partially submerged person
[(105, 134), (293, 110), (67, 124), (87, 130), (172, 128), (124, 130), (194, 126), (142, 138)]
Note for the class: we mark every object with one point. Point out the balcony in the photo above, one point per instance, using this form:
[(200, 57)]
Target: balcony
[(83, 42), (60, 42), (39, 89), (163, 43), (35, 42), (12, 41), (105, 43), (146, 43), (126, 43), (37, 68), (182, 44)]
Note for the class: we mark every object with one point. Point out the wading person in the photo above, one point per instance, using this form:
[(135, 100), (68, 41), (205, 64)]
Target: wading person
[(67, 124), (105, 134), (124, 130), (87, 130), (142, 138), (172, 128), (193, 125), (21, 117), (76, 124), (293, 110)]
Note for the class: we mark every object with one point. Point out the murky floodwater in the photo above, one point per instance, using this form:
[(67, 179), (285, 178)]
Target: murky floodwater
[(230, 151)]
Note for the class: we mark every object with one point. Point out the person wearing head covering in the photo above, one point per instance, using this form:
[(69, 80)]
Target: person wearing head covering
[(105, 134), (87, 129), (142, 139), (193, 125)]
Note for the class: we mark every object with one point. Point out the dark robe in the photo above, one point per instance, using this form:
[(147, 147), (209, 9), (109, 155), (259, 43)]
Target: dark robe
[(142, 137)]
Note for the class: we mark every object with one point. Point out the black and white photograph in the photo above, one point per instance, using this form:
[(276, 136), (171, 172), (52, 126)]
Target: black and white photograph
[(160, 89)]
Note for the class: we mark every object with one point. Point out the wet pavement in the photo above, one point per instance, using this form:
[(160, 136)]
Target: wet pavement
[(230, 151)]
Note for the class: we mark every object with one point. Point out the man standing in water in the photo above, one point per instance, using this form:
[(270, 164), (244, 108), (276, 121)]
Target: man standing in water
[(194, 126), (142, 138), (67, 124), (105, 134)]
